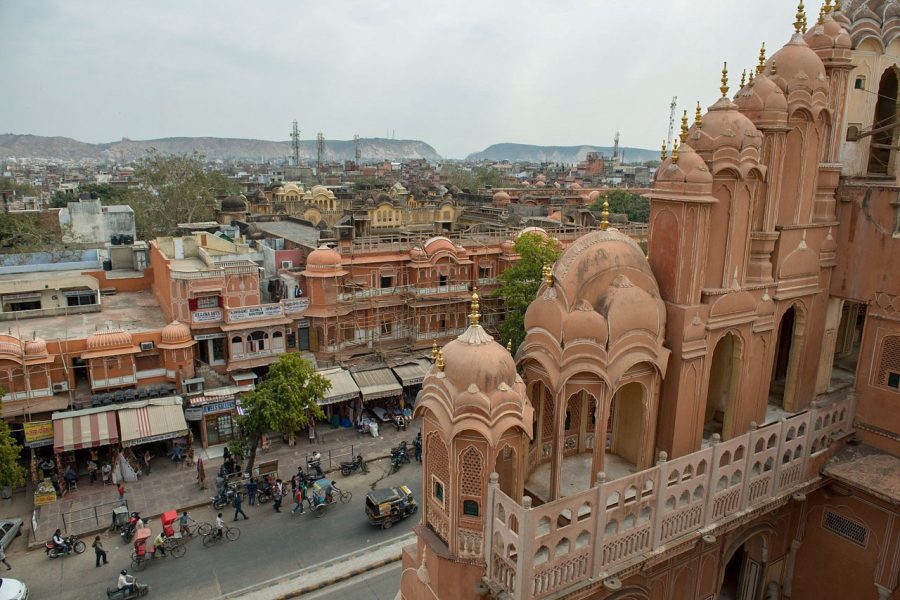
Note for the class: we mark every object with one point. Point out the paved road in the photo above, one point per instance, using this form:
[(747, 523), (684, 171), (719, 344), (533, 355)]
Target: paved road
[(380, 584), (270, 546)]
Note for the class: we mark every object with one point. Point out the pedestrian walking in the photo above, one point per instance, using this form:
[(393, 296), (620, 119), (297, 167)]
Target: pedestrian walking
[(92, 470), (418, 446), (201, 474), (252, 489), (99, 551), (3, 558), (299, 497), (147, 458), (237, 506), (276, 497), (121, 490)]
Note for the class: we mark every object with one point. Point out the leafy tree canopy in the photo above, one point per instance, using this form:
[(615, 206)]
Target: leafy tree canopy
[(471, 179), (625, 202), (520, 283), (284, 401), (12, 473), (26, 232), (21, 189)]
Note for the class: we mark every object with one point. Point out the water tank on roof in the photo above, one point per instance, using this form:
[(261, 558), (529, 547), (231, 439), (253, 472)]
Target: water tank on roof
[(128, 240), (107, 265)]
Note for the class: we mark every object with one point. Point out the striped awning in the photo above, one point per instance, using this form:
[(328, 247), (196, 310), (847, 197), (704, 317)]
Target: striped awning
[(158, 420), (84, 430)]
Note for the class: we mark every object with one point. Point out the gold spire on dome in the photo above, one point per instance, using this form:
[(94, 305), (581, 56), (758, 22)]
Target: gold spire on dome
[(821, 14), (440, 360), (509, 346), (743, 77), (675, 151), (750, 80), (662, 153), (800, 18), (475, 316), (434, 351), (547, 273), (724, 87), (698, 118), (774, 67), (827, 7), (684, 126), (762, 61), (837, 6), (604, 214)]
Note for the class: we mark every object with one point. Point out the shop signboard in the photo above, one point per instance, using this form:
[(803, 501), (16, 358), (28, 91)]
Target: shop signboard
[(209, 336), (154, 438), (39, 433), (216, 407), (248, 313), (194, 413), (207, 316), (44, 499), (295, 306)]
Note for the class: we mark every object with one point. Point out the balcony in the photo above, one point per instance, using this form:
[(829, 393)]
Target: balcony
[(582, 539), (369, 293)]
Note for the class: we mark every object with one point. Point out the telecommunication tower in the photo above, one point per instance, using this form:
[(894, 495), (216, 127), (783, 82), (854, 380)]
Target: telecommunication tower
[(295, 143), (672, 108), (616, 147), (357, 153), (320, 153)]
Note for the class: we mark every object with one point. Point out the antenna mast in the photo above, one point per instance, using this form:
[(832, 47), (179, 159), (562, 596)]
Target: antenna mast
[(295, 143), (672, 108), (320, 154), (616, 148), (357, 153)]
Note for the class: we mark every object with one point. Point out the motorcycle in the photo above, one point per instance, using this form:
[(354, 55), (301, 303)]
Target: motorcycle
[(314, 466), (353, 466), (140, 589), (264, 492), (72, 543), (399, 455), (129, 527), (222, 500)]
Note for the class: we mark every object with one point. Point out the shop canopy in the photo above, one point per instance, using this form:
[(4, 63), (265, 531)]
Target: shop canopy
[(377, 383), (343, 387), (413, 372), (87, 428), (152, 421)]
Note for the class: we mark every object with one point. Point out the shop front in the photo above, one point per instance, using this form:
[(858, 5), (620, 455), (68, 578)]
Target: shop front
[(411, 374), (339, 401), (41, 461), (157, 426), (85, 435), (379, 390), (212, 416)]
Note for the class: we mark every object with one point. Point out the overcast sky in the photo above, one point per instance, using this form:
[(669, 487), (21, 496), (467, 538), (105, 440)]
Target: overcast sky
[(458, 74)]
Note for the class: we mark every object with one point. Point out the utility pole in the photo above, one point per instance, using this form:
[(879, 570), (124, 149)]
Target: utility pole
[(672, 108), (295, 143), (357, 153), (616, 148), (320, 154)]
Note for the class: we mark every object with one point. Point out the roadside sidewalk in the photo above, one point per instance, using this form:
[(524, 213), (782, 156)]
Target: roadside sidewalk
[(169, 486), (304, 581)]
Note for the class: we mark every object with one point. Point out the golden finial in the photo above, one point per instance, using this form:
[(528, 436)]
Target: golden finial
[(547, 272), (604, 214), (675, 151), (698, 118), (750, 81), (724, 88), (800, 18), (743, 78), (684, 126), (475, 316), (434, 351), (827, 7), (821, 15), (762, 60), (509, 346), (662, 153), (440, 360), (837, 6), (774, 70)]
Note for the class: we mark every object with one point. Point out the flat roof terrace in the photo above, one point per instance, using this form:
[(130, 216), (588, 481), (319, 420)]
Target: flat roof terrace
[(132, 311)]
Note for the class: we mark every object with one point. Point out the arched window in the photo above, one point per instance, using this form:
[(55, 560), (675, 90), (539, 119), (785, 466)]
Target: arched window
[(885, 133), (237, 346), (257, 341), (470, 508), (278, 341)]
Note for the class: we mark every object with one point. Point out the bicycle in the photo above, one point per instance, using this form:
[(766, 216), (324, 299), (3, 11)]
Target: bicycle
[(343, 496), (213, 537), (198, 528)]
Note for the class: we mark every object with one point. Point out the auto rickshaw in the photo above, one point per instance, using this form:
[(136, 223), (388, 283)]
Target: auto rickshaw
[(386, 506)]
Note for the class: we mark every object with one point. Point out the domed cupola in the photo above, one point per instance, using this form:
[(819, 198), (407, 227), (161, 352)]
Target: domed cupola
[(175, 335), (36, 347), (585, 323), (826, 36), (234, 204), (629, 308), (763, 102), (323, 262)]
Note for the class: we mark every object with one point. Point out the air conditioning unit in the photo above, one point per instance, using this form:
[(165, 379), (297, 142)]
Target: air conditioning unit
[(287, 264), (146, 346), (62, 386)]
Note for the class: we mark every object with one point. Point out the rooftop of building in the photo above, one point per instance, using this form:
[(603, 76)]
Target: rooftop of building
[(134, 312), (868, 469)]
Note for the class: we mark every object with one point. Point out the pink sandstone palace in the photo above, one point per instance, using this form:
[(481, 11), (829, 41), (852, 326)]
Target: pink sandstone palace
[(717, 419)]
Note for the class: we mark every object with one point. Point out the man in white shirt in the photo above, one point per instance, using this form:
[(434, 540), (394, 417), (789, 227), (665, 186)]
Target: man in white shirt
[(220, 525), (126, 581)]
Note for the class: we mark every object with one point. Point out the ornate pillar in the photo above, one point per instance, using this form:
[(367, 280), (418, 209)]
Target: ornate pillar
[(559, 440)]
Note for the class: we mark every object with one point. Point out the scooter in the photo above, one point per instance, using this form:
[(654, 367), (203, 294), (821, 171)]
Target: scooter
[(72, 543), (353, 466), (314, 466), (140, 589), (222, 500), (129, 527)]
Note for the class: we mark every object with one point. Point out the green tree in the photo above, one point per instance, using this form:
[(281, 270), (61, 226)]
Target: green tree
[(26, 232), (108, 194), (21, 189), (624, 202), (284, 401), (471, 180), (12, 473), (520, 283), (176, 189)]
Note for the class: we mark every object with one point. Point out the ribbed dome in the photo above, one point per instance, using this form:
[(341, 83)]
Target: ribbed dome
[(175, 333), (584, 323), (798, 66), (763, 102), (592, 197), (234, 204), (113, 338), (438, 244), (546, 313), (690, 168), (827, 35), (323, 256), (11, 346), (501, 199), (508, 246), (724, 126), (475, 358), (36, 347), (629, 308)]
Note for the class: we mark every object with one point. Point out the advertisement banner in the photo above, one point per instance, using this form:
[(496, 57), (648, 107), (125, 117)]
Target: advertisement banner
[(38, 433), (295, 306), (207, 316)]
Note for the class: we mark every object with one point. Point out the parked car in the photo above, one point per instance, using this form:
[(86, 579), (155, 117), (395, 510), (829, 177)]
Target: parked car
[(9, 530), (13, 589)]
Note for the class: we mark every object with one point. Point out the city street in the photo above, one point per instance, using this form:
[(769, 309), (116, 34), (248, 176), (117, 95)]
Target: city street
[(379, 584), (270, 545)]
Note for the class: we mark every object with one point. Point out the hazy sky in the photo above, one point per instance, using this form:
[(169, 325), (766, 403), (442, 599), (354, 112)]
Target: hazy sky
[(458, 74)]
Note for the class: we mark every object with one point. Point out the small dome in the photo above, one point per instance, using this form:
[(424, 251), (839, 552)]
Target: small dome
[(479, 360), (113, 338), (575, 186), (827, 35), (508, 247), (36, 347), (11, 346), (585, 323), (541, 177), (438, 244), (175, 332), (535, 230), (546, 313), (541, 184), (798, 66), (234, 204), (763, 102), (417, 253), (322, 257), (690, 168), (501, 199), (629, 308), (592, 197), (724, 126)]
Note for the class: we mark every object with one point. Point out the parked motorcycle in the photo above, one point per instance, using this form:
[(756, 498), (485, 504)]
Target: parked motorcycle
[(73, 544), (220, 501), (140, 589), (314, 467), (399, 455), (128, 529), (353, 466)]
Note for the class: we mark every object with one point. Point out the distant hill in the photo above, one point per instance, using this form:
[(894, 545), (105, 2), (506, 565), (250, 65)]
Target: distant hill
[(561, 154), (62, 148)]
